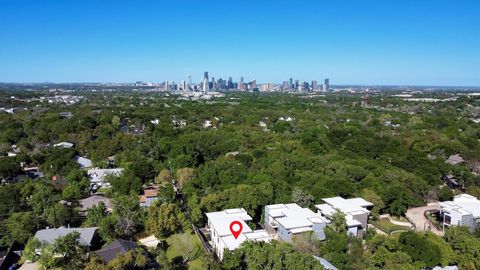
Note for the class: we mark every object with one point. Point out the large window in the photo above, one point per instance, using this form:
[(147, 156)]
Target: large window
[(447, 219)]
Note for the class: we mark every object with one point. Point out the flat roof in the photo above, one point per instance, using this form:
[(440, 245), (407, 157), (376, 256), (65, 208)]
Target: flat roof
[(292, 216), (220, 221), (231, 243), (356, 205), (464, 204)]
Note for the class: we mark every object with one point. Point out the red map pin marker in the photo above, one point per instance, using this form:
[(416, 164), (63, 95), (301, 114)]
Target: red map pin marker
[(236, 228)]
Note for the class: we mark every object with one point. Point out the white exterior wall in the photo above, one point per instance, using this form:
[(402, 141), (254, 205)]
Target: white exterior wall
[(353, 231), (467, 220), (217, 243), (284, 234), (318, 230)]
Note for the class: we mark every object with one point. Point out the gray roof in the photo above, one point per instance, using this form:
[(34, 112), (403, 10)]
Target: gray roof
[(50, 235), (89, 202), (83, 162), (117, 247)]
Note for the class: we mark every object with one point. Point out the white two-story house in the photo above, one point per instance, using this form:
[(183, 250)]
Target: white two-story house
[(284, 221), (464, 210), (221, 236), (356, 211)]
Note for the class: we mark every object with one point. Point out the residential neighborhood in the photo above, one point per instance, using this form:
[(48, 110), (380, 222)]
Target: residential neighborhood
[(218, 185)]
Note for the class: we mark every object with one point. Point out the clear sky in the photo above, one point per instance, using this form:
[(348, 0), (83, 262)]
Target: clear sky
[(414, 42)]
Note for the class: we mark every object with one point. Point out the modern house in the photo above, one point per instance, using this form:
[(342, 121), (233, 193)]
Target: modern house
[(284, 221), (221, 237), (88, 236), (97, 176), (356, 211), (464, 210)]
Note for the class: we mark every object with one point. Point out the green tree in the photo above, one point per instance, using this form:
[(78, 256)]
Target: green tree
[(128, 215), (274, 255), (164, 219), (420, 249), (163, 177), (377, 201), (58, 215), (445, 194), (184, 176), (9, 167), (131, 260), (19, 228)]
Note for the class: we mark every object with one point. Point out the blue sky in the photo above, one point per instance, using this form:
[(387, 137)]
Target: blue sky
[(414, 42)]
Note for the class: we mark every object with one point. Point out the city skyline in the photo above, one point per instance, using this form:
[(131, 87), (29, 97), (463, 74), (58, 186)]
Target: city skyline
[(367, 43)]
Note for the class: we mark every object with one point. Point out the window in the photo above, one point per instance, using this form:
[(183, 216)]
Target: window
[(447, 219)]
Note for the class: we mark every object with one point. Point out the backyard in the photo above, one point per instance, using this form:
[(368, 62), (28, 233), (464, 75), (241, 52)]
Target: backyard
[(388, 227), (186, 245)]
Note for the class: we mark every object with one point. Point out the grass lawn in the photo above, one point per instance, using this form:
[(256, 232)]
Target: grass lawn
[(173, 251), (388, 227)]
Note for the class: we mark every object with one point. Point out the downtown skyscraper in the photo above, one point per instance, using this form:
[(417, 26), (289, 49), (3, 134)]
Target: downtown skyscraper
[(205, 85)]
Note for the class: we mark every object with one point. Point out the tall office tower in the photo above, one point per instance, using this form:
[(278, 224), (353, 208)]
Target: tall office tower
[(230, 83), (254, 85), (205, 82), (167, 86), (270, 86), (212, 84), (291, 83), (297, 85), (240, 85), (314, 85), (184, 85), (189, 85), (306, 87), (285, 86), (326, 85)]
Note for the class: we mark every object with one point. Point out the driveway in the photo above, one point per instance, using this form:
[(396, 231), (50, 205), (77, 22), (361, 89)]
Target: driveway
[(417, 217)]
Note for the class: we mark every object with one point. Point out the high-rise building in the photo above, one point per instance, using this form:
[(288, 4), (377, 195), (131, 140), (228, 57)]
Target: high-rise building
[(285, 86), (253, 85), (205, 82), (314, 85), (297, 86), (241, 85), (230, 83), (167, 86), (212, 84), (189, 83), (306, 87), (291, 83), (326, 85)]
